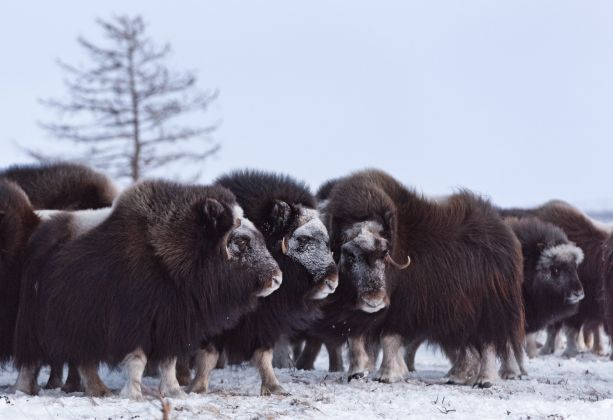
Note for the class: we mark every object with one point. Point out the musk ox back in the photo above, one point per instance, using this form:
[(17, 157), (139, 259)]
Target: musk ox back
[(463, 286), (283, 209), (62, 186), (588, 236), (170, 264)]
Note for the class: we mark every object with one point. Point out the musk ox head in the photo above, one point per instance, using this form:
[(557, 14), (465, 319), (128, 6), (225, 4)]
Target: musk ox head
[(556, 273), (246, 247), (304, 240), (365, 256)]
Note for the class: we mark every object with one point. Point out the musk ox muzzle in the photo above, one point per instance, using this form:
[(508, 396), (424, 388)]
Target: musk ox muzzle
[(272, 284), (373, 301)]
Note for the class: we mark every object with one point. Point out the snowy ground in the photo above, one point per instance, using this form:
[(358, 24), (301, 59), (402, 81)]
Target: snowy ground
[(556, 389)]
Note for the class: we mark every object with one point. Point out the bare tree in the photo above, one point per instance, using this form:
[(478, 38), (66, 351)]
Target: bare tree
[(127, 110)]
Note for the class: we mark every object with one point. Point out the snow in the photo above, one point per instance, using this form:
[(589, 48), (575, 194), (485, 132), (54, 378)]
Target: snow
[(557, 388)]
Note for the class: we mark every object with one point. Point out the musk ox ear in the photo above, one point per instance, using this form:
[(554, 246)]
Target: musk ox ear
[(216, 217), (279, 217), (540, 246)]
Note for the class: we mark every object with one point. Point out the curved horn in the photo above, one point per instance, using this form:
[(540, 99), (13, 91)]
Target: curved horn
[(389, 259), (228, 254), (284, 247)]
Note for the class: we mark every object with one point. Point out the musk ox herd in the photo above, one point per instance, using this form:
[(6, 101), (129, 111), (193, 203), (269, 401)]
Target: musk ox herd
[(174, 280)]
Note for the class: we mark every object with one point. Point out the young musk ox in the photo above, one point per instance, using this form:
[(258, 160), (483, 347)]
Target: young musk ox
[(62, 186), (284, 211), (589, 236), (462, 290), (169, 263), (25, 191)]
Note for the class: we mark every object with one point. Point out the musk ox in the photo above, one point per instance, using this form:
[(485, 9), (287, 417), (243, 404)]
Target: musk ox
[(589, 236), (462, 289), (607, 274), (25, 191), (168, 264), (283, 209), (62, 186)]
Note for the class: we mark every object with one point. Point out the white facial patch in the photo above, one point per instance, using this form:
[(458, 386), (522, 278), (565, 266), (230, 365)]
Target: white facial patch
[(564, 252), (245, 224)]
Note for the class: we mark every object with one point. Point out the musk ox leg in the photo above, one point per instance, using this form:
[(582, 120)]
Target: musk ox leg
[(205, 361), (169, 385), (27, 380), (306, 360), (598, 346), (358, 358), (335, 357), (411, 347), (550, 344), (262, 359), (532, 345), (282, 358), (134, 366), (465, 365), (221, 361), (512, 365), (56, 376), (73, 380), (152, 370), (296, 348), (184, 373), (393, 368), (94, 387), (373, 347), (572, 334), (487, 372)]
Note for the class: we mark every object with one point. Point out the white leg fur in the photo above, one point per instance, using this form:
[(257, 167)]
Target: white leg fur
[(358, 358), (134, 366), (393, 368), (532, 345), (169, 385), (206, 360), (262, 359), (27, 380), (572, 335), (511, 367), (487, 373)]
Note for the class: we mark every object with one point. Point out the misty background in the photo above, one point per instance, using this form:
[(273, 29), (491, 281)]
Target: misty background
[(513, 99)]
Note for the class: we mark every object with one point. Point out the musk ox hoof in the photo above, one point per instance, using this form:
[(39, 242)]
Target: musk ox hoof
[(546, 350), (484, 384), (184, 378), (357, 376), (54, 383), (570, 353), (510, 374), (268, 390), (198, 387), (389, 378), (30, 390), (306, 366), (99, 392), (70, 387), (174, 393)]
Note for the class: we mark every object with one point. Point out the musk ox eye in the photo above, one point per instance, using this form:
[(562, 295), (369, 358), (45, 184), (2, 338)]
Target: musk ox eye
[(555, 271), (242, 243)]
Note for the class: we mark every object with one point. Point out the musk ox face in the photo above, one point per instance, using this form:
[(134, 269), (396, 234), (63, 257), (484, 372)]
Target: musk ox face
[(246, 247), (365, 255), (309, 246), (305, 241), (556, 273)]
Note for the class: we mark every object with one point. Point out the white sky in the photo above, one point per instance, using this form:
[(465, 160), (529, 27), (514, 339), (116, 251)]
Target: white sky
[(509, 98)]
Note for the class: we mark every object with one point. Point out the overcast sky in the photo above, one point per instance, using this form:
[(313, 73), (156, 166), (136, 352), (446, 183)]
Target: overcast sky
[(513, 98)]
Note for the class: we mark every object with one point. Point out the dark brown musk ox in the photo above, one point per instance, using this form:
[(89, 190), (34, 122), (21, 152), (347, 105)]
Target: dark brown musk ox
[(462, 289), (26, 191), (284, 210), (170, 263), (589, 236), (62, 186)]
